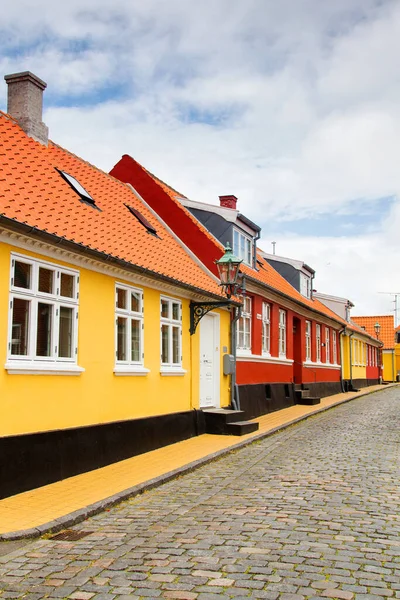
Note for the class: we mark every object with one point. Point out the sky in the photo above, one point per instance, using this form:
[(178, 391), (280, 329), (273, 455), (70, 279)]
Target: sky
[(291, 105)]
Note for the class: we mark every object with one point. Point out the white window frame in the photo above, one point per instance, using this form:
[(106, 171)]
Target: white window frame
[(282, 333), (318, 343), (129, 366), (266, 329), (243, 326), (305, 285), (170, 367), (32, 362), (308, 341), (242, 246), (327, 346), (334, 347)]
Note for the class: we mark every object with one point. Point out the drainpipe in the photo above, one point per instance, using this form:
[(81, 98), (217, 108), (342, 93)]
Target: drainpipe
[(235, 402), (341, 332), (393, 377), (351, 359)]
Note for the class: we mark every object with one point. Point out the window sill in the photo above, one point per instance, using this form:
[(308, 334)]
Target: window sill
[(264, 358), (322, 365), (172, 372), (130, 371), (38, 368)]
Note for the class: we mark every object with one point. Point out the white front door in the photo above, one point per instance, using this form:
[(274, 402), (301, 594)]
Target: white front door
[(209, 361)]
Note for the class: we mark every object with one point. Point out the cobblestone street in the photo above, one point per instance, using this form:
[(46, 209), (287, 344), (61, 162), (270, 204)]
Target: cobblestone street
[(310, 512)]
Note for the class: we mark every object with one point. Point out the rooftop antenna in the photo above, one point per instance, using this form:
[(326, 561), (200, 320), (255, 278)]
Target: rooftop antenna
[(273, 247), (396, 304)]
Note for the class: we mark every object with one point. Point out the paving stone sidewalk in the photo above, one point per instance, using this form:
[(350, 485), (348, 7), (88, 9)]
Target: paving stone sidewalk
[(310, 512)]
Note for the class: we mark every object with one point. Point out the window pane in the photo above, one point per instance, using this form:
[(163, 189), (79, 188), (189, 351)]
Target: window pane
[(135, 301), (65, 332), (121, 298), (248, 253), (46, 278), (121, 338), (176, 358), (135, 338), (236, 250), (44, 329), (67, 285), (20, 327), (165, 308), (242, 251), (164, 343), (22, 275), (175, 311)]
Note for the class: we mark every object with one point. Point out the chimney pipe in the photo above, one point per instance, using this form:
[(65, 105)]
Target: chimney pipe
[(25, 104), (228, 201)]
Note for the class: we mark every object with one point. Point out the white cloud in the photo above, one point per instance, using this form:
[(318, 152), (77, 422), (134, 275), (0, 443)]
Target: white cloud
[(301, 97)]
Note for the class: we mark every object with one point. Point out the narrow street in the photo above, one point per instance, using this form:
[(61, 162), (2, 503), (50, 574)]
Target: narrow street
[(311, 512)]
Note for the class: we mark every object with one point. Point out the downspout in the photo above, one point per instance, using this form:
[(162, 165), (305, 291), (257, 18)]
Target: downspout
[(235, 401), (341, 332), (393, 377), (351, 360)]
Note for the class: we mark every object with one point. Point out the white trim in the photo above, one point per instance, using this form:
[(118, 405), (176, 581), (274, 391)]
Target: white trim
[(172, 372), (266, 359), (320, 365), (133, 370), (96, 265), (39, 368), (215, 319)]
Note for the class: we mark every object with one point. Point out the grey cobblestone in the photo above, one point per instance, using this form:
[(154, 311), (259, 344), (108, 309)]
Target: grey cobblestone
[(309, 513)]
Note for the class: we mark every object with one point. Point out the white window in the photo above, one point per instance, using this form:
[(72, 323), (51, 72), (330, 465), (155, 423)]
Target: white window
[(266, 328), (282, 332), (242, 247), (171, 333), (305, 285), (327, 346), (244, 326), (318, 342), (355, 352), (334, 348), (308, 340), (43, 313), (128, 326)]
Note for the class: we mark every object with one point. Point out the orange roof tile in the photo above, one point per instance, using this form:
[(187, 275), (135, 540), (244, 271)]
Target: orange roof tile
[(34, 193), (386, 334)]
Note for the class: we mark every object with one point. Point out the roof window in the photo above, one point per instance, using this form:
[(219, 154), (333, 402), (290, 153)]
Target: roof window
[(78, 188), (142, 220)]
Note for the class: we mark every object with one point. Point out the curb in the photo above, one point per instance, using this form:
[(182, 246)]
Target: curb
[(93, 509)]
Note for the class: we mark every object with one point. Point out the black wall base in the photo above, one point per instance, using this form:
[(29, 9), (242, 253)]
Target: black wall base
[(324, 388), (33, 460), (357, 384), (262, 398)]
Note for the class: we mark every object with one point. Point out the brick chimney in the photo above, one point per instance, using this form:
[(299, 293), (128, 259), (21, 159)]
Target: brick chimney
[(228, 201), (25, 104)]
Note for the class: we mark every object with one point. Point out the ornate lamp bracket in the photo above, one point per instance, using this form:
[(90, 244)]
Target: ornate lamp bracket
[(199, 309)]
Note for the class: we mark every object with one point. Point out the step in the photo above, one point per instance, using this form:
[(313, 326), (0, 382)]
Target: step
[(308, 401), (242, 427), (217, 419), (302, 393)]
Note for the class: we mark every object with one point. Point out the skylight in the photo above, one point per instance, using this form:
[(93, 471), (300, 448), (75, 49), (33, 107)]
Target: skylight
[(142, 220), (78, 188)]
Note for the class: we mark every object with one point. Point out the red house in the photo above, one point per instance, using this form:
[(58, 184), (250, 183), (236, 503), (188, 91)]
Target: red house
[(287, 342)]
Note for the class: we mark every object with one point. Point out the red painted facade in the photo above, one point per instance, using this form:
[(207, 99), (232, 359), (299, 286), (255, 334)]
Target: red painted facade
[(252, 370)]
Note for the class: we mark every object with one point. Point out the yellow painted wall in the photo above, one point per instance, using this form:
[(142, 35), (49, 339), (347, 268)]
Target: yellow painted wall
[(345, 356), (389, 365), (30, 403)]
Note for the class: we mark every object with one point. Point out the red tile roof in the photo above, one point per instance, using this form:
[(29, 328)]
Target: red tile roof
[(34, 193), (386, 334)]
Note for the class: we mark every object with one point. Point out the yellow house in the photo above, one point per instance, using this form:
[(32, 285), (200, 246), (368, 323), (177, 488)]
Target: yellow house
[(97, 362), (382, 328), (361, 357)]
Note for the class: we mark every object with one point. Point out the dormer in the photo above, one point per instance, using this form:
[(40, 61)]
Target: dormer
[(227, 224), (296, 272)]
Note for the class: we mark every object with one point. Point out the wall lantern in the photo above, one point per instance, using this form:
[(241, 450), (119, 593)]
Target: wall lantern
[(377, 328), (228, 269)]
